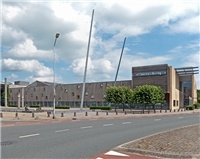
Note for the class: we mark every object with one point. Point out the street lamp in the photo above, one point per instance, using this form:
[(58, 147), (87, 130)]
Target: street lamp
[(54, 90)]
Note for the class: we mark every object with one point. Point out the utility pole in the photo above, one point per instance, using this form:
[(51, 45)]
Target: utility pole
[(6, 93)]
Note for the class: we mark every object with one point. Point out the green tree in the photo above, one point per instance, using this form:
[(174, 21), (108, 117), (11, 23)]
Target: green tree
[(148, 95), (198, 95), (3, 96), (115, 95), (128, 96)]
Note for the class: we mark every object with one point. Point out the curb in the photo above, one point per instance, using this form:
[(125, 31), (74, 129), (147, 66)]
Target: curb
[(122, 148)]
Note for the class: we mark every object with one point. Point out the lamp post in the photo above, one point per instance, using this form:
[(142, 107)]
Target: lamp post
[(54, 90)]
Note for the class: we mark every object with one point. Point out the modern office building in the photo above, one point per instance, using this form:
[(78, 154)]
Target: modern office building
[(178, 84)]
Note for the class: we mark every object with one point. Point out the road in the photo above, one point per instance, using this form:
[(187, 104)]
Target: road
[(82, 139)]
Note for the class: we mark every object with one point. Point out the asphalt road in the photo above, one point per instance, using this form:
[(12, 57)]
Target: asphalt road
[(82, 139)]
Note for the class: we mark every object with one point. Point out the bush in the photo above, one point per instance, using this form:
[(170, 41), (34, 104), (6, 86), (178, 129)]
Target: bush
[(12, 105), (62, 107), (196, 106), (190, 107), (34, 106), (101, 107)]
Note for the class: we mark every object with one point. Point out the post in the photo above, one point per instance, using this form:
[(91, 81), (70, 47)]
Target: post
[(6, 93), (54, 89), (18, 103), (22, 97), (86, 62), (120, 61)]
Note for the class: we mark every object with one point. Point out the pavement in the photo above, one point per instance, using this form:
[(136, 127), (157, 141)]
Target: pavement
[(178, 143)]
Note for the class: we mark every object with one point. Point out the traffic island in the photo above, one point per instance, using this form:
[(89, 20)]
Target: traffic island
[(177, 143)]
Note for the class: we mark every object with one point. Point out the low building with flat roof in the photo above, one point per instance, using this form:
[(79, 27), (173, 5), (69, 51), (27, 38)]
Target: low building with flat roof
[(172, 81)]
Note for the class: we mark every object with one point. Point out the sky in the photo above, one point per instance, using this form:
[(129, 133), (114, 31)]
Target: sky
[(157, 32)]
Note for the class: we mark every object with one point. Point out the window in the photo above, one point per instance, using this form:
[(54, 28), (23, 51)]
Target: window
[(36, 97), (72, 93), (174, 102), (66, 90), (34, 89), (78, 86), (92, 96), (44, 89), (101, 85), (46, 97), (42, 95), (86, 93), (78, 96)]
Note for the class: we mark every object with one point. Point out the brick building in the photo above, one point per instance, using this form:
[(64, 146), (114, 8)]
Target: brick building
[(172, 81)]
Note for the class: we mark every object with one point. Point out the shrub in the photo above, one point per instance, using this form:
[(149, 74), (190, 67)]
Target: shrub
[(12, 105), (190, 107), (101, 107), (196, 106), (62, 107), (34, 106)]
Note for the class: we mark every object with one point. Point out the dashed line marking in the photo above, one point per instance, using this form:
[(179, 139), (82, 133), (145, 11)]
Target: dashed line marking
[(107, 124), (29, 135), (126, 123), (157, 119), (86, 127), (61, 130)]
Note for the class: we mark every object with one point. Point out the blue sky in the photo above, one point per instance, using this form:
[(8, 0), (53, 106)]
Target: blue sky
[(157, 32)]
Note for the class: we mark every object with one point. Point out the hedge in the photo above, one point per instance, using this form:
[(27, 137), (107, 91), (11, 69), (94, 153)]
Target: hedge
[(62, 107), (12, 105), (190, 107), (196, 106), (101, 107)]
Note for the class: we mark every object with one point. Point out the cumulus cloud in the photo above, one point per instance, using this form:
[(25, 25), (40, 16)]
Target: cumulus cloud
[(28, 34)]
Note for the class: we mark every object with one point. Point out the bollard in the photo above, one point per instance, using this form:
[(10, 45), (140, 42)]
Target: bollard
[(174, 110), (48, 114), (160, 111), (74, 113), (178, 110), (62, 114), (97, 113), (165, 110), (86, 114), (106, 113), (181, 109), (125, 112), (154, 111), (148, 111), (143, 111), (1, 115), (116, 113), (33, 115), (16, 114), (170, 110)]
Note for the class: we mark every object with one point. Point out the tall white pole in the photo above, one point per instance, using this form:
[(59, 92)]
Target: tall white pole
[(54, 88), (6, 93), (86, 62), (119, 61)]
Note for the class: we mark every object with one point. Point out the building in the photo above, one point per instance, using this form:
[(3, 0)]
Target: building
[(172, 81)]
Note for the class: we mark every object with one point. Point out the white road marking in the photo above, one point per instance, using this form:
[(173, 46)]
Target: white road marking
[(86, 127), (61, 130), (157, 119), (114, 153), (107, 124), (126, 123), (180, 117), (29, 135), (99, 158)]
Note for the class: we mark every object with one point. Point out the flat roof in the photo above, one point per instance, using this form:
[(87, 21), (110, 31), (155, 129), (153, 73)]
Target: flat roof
[(187, 71)]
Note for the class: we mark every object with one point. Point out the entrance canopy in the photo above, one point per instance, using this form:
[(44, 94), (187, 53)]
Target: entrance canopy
[(187, 71)]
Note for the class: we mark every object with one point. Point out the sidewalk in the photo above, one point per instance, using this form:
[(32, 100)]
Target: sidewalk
[(77, 114)]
